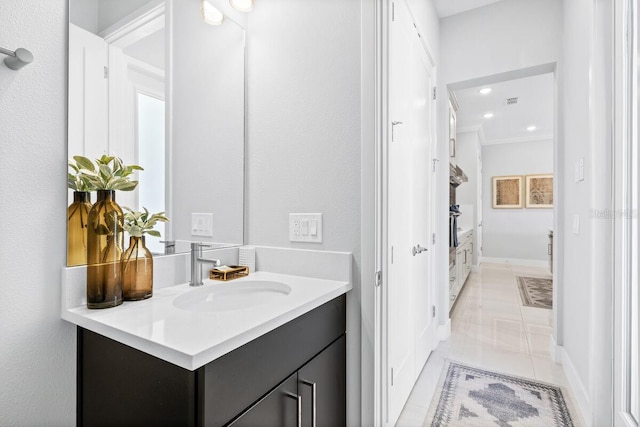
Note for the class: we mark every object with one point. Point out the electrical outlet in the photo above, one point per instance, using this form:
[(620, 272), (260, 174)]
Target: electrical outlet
[(202, 224), (305, 227)]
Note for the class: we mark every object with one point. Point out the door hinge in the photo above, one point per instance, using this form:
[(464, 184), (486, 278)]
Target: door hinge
[(434, 162), (106, 72), (391, 377), (433, 238), (391, 254), (434, 92), (393, 12), (433, 311), (378, 278)]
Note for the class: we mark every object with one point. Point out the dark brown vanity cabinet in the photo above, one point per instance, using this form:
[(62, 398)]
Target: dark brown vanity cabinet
[(282, 378), (314, 396)]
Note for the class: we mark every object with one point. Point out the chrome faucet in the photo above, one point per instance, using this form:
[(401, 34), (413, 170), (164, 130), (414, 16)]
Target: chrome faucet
[(196, 260)]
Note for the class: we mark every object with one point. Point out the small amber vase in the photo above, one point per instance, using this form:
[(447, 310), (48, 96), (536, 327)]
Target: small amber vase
[(137, 271), (77, 220), (104, 252)]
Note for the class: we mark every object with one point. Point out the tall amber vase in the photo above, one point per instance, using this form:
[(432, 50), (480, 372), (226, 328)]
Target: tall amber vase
[(77, 220), (137, 270), (104, 252)]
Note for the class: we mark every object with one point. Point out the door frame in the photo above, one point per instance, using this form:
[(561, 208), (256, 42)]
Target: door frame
[(625, 168), (381, 13)]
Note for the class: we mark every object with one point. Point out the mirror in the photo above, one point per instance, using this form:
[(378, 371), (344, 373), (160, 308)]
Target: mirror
[(153, 84)]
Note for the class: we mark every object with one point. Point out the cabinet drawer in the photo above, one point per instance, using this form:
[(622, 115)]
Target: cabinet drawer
[(462, 238)]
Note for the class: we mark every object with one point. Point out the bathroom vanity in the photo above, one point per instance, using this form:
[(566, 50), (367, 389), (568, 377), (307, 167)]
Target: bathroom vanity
[(173, 360)]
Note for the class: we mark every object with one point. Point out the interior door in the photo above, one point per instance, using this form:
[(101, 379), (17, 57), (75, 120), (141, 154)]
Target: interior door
[(410, 326), (422, 196), (88, 115)]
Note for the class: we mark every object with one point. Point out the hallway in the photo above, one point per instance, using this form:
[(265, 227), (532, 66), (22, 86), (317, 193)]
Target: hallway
[(491, 329)]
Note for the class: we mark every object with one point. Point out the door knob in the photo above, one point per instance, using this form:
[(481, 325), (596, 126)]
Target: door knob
[(418, 250)]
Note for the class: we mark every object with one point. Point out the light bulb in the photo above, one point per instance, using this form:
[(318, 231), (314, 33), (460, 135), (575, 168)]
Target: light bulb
[(242, 5), (488, 115), (210, 14), (485, 90)]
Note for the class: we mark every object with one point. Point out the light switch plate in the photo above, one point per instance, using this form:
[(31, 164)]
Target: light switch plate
[(202, 224), (305, 227)]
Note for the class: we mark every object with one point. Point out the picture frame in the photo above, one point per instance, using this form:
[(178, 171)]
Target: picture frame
[(507, 192), (539, 191)]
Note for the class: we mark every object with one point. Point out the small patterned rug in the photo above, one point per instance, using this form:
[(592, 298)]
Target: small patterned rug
[(473, 397), (536, 291)]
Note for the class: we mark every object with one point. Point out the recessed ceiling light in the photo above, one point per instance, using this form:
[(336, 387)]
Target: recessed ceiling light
[(488, 115), (210, 14), (531, 128), (485, 90)]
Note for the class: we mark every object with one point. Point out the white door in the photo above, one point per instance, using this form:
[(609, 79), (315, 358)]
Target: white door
[(410, 326), (422, 212), (88, 115)]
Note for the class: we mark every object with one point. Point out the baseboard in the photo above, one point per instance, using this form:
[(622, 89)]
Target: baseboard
[(444, 331), (578, 390), (516, 261)]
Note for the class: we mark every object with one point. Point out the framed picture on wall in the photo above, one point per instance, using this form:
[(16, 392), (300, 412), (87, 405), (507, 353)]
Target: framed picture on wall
[(507, 192), (539, 193)]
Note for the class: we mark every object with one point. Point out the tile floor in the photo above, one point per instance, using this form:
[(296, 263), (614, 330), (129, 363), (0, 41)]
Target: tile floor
[(491, 329)]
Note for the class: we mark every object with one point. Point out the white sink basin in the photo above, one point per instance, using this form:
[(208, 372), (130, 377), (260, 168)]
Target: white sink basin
[(232, 296)]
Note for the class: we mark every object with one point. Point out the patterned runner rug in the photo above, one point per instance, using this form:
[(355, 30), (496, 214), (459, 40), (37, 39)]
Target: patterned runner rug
[(536, 291), (473, 397)]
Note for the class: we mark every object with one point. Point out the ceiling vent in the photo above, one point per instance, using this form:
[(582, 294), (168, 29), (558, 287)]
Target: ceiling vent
[(511, 101)]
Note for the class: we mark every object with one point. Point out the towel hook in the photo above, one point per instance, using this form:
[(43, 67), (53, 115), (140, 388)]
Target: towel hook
[(18, 58)]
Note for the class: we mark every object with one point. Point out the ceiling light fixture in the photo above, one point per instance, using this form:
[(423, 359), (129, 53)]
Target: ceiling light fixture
[(488, 115), (531, 128), (210, 14), (485, 90), (242, 5)]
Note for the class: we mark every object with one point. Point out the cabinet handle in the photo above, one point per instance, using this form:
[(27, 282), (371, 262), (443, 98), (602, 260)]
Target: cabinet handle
[(549, 249), (314, 388), (299, 400)]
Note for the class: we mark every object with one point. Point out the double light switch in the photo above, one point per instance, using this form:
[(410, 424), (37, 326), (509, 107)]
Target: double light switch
[(305, 227)]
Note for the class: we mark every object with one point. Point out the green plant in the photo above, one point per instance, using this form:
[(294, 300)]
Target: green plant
[(139, 223), (77, 180), (108, 173)]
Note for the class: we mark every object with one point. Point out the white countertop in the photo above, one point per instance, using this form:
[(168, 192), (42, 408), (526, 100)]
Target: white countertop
[(192, 339)]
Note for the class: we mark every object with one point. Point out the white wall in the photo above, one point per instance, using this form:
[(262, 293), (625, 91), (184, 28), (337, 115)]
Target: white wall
[(38, 348), (207, 101), (304, 136), (586, 134), (515, 233)]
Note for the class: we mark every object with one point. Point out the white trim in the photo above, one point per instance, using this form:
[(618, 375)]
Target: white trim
[(577, 388), (537, 138), (137, 25), (444, 331), (515, 261)]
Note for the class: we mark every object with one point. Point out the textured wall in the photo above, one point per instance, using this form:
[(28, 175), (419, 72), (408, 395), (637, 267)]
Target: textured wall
[(37, 385)]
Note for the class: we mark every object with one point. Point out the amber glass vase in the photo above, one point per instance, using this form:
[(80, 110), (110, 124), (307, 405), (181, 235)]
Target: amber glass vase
[(104, 252), (77, 220), (137, 271)]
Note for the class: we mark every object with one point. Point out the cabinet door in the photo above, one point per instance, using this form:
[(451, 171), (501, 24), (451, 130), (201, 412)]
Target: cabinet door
[(322, 385), (452, 132), (281, 407)]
